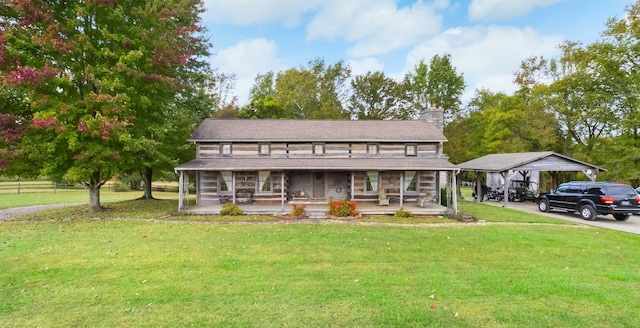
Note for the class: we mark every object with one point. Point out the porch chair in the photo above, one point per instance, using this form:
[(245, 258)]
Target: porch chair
[(383, 200)]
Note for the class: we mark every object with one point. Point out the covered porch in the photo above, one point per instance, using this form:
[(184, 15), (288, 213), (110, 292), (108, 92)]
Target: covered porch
[(321, 210), (272, 185)]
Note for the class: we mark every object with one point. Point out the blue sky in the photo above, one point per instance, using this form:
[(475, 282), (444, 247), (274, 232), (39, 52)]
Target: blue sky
[(487, 39)]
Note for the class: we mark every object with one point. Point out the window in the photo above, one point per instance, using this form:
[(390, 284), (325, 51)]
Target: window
[(318, 149), (264, 181), (410, 181), (371, 181), (225, 149), (264, 149), (225, 181), (372, 149), (410, 149)]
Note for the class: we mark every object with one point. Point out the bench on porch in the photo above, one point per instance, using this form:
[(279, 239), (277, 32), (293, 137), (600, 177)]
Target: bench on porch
[(244, 196), (299, 196)]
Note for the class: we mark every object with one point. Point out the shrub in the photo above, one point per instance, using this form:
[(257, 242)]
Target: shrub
[(298, 210), (343, 208), (402, 213), (231, 209)]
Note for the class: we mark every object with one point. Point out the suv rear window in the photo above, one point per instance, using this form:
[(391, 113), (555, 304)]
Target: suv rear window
[(622, 190)]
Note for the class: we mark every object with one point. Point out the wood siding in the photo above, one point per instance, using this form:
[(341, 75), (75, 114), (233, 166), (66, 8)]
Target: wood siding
[(302, 150)]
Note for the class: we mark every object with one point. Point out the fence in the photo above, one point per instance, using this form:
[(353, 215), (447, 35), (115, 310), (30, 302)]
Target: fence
[(19, 187)]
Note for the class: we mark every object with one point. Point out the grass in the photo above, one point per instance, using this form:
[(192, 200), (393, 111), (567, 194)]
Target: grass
[(72, 196), (138, 273), (138, 264), (492, 213)]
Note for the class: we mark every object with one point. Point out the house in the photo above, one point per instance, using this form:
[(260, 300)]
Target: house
[(313, 161)]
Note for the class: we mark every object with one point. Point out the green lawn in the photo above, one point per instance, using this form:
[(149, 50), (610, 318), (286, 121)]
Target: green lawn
[(72, 196), (70, 267)]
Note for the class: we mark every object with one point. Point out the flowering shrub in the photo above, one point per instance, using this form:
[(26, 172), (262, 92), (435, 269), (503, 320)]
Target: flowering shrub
[(402, 213), (298, 210), (343, 208), (231, 209)]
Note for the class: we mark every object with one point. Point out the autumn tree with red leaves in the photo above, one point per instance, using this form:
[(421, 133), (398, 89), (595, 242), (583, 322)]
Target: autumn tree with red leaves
[(101, 79)]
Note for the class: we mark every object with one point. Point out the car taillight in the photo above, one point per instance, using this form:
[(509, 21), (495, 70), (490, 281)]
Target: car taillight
[(607, 200)]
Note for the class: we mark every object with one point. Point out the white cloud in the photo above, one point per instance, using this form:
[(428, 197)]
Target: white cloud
[(247, 12), (488, 56), (376, 27), (246, 59), (492, 10), (365, 65)]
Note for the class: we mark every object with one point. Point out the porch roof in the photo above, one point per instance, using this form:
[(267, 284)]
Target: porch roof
[(319, 163)]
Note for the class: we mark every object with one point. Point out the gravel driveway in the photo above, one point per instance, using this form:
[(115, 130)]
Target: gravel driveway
[(17, 211)]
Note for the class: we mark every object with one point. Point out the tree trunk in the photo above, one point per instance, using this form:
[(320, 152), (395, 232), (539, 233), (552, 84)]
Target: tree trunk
[(94, 192), (147, 178)]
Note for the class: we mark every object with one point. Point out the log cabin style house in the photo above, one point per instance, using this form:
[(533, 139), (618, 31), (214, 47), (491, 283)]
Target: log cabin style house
[(314, 161)]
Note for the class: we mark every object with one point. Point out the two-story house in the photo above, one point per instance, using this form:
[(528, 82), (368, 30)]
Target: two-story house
[(313, 161)]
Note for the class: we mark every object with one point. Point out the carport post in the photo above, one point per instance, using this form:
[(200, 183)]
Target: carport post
[(478, 187), (507, 182)]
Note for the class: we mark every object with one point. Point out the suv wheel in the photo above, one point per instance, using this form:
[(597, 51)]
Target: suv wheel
[(588, 213), (621, 217), (543, 205)]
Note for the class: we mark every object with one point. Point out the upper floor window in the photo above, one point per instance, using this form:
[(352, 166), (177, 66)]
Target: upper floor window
[(225, 149), (318, 149), (264, 149), (373, 149), (411, 149)]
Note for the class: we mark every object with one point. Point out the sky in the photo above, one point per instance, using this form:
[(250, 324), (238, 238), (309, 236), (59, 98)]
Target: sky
[(487, 39)]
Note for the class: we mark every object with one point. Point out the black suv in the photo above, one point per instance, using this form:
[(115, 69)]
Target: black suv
[(591, 199)]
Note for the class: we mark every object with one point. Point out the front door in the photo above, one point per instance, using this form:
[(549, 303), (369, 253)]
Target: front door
[(318, 185)]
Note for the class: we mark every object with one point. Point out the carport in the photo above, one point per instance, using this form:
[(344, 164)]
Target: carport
[(548, 161)]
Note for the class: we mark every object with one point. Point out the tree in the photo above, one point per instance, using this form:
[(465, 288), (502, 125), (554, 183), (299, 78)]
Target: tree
[(436, 85), (501, 123), (98, 75), (378, 97), (315, 91)]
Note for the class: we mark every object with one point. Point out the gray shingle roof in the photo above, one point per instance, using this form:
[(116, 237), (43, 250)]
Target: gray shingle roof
[(217, 130), (318, 163), (505, 162)]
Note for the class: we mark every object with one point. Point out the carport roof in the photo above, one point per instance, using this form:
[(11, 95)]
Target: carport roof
[(535, 161)]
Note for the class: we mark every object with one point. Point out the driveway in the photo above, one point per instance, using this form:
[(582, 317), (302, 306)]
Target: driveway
[(604, 221)]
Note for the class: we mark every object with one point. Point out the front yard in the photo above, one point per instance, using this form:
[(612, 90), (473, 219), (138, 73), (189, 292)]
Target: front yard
[(137, 265)]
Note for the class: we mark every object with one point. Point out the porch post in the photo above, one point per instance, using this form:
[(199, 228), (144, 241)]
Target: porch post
[(186, 190), (282, 192), (233, 187), (353, 188), (454, 187), (402, 187), (180, 191)]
